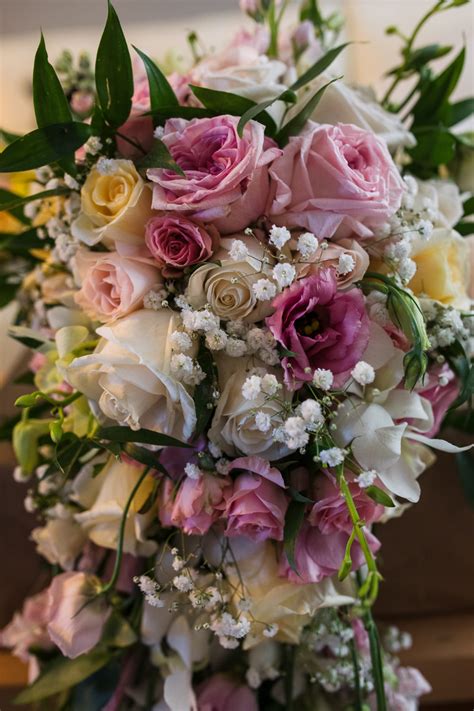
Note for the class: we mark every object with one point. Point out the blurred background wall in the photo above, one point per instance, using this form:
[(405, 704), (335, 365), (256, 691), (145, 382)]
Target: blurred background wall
[(160, 26)]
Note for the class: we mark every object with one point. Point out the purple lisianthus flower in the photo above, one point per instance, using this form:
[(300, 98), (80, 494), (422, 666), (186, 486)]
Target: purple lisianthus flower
[(322, 327)]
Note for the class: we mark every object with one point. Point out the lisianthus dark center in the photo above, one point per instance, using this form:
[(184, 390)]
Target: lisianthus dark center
[(310, 324)]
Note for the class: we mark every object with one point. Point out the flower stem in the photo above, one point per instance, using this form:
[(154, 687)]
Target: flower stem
[(375, 653), (118, 559), (355, 663)]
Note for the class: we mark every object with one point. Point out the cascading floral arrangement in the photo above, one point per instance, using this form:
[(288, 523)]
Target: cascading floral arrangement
[(246, 286)]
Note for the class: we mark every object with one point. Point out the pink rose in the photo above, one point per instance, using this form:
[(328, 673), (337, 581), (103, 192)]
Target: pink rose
[(177, 242), (74, 626), (113, 284), (226, 177), (330, 257), (323, 327), (334, 180), (330, 513), (28, 627), (223, 693), (440, 396), (319, 555), (257, 505), (199, 503)]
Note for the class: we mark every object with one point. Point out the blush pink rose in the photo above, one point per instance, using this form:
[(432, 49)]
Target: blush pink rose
[(113, 284), (177, 242), (334, 181), (28, 627), (74, 626), (440, 396), (256, 508), (319, 555), (199, 503), (223, 693), (330, 513), (324, 327), (226, 177)]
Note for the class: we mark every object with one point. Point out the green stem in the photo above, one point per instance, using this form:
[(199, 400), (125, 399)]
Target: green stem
[(118, 559), (356, 522), (355, 663), (375, 654), (273, 26)]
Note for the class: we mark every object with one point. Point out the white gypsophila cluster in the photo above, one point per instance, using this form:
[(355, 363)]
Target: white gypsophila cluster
[(238, 251), (252, 387), (206, 599), (363, 373), (444, 324), (264, 289), (216, 340), (279, 236), (295, 432), (375, 304), (192, 471), (345, 264), (186, 370), (230, 629), (310, 411), (396, 641), (307, 245), (158, 132), (150, 589), (284, 274), (155, 300), (323, 379), (332, 457), (183, 583), (181, 341), (106, 166), (93, 145), (366, 478)]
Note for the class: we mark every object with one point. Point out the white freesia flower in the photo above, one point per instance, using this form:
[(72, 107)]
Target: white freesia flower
[(60, 541), (128, 377)]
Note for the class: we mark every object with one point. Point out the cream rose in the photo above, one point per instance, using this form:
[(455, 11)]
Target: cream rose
[(128, 376), (274, 600), (228, 288), (233, 427), (60, 542), (330, 257), (443, 200), (343, 104), (104, 498), (442, 268), (115, 205)]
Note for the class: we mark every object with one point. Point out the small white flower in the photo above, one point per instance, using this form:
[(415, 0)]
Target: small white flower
[(295, 429), (270, 631), (264, 289), (181, 366), (181, 341), (192, 471), (252, 387), (214, 450), (270, 384), (425, 228), (363, 373), (216, 340), (398, 250), (284, 274), (323, 379), (345, 264), (310, 411), (307, 244), (183, 583), (411, 184), (235, 347), (263, 421), (154, 299), (332, 457), (228, 642), (238, 251), (154, 600), (178, 563), (407, 270), (93, 145), (279, 236), (106, 166), (158, 132), (206, 321), (71, 182), (443, 380), (366, 478), (253, 678)]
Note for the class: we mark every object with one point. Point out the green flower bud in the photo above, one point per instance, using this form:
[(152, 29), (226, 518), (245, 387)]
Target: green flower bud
[(25, 443)]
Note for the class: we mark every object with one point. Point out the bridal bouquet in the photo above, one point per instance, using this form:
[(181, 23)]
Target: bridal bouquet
[(246, 285)]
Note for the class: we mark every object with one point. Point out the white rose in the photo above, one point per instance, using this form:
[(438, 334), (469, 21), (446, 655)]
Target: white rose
[(128, 375), (104, 497), (228, 288), (115, 205), (342, 104), (233, 428), (443, 198), (241, 70), (60, 542), (276, 601)]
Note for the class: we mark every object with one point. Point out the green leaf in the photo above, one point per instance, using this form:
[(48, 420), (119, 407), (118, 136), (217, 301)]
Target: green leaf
[(203, 391), (465, 462), (459, 111), (437, 91), (224, 102), (159, 157), (310, 11), (319, 67), (25, 442), (297, 496), (118, 632), (293, 521), (379, 496), (27, 336), (161, 92), (419, 57), (255, 111), (186, 112), (465, 228), (434, 146), (151, 498), (460, 363), (50, 102), (297, 123), (8, 137), (346, 565), (142, 455), (44, 146), (63, 674), (468, 207), (113, 72), (9, 201), (96, 691), (21, 242), (144, 436)]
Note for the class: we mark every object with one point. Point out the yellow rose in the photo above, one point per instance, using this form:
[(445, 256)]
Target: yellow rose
[(442, 268), (115, 205)]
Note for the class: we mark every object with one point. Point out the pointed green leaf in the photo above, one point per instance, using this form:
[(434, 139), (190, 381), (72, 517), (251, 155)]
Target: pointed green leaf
[(224, 102), (161, 92), (113, 72), (44, 146), (459, 111), (159, 157), (379, 496), (437, 91), (319, 67), (144, 436), (9, 201), (293, 521), (297, 123), (254, 112), (186, 112), (50, 102)]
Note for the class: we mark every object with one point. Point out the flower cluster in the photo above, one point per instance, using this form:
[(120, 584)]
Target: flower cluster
[(249, 320)]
